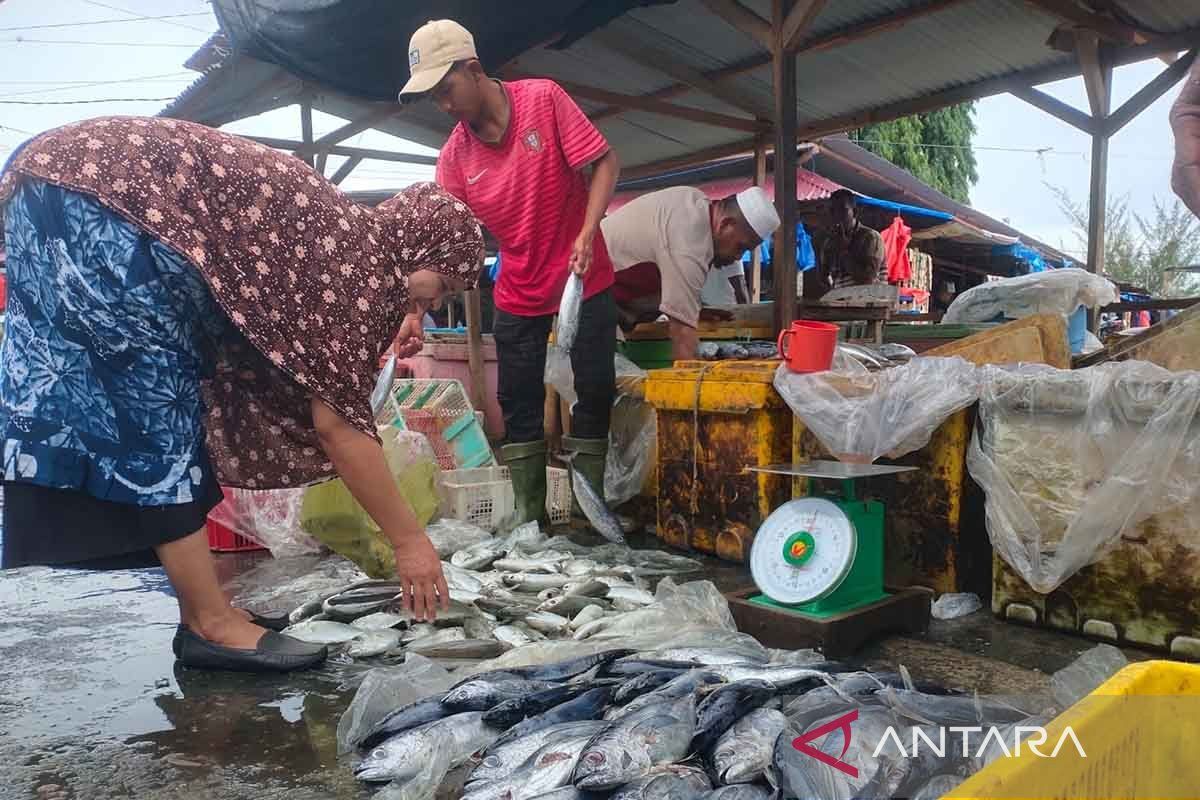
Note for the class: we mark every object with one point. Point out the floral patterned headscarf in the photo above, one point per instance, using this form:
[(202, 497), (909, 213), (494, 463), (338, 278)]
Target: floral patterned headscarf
[(315, 284)]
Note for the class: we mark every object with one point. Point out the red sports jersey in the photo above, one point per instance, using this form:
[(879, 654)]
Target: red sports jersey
[(528, 190)]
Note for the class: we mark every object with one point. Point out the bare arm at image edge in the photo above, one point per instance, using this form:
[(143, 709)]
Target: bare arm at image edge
[(361, 465), (1185, 121)]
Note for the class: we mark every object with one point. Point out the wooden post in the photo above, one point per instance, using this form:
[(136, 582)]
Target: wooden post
[(474, 315), (306, 128), (783, 267), (760, 179), (1098, 77)]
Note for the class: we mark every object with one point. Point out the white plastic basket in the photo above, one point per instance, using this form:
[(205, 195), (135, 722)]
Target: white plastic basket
[(558, 496), (482, 496)]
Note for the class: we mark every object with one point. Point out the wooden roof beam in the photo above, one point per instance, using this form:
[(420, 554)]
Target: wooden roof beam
[(639, 103), (354, 127), (743, 19), (1087, 50), (341, 150), (1149, 93), (1056, 108), (661, 61), (852, 33), (740, 147), (345, 169), (1104, 26), (798, 21)]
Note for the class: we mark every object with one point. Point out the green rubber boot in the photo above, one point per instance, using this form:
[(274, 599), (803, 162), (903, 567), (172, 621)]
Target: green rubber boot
[(526, 464), (589, 457)]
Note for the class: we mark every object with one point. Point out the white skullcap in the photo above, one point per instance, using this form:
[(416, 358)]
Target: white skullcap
[(758, 210)]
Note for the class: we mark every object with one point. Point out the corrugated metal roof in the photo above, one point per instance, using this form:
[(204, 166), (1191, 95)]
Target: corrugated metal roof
[(809, 186), (963, 44)]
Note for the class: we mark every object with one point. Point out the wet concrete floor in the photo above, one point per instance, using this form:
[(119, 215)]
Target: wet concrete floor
[(92, 705)]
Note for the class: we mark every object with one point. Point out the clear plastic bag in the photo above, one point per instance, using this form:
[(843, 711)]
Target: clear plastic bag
[(634, 428), (271, 518), (451, 535), (953, 605), (385, 689), (1058, 291), (1083, 675), (692, 614), (861, 416), (1072, 460)]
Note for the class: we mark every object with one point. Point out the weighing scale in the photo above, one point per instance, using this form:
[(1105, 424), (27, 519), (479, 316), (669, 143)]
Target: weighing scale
[(818, 564)]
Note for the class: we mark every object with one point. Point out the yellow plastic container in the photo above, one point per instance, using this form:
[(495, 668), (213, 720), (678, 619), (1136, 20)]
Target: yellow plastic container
[(714, 420), (1138, 730)]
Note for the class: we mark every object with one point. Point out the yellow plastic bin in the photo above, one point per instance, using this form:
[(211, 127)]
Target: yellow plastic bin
[(1138, 731), (714, 420)]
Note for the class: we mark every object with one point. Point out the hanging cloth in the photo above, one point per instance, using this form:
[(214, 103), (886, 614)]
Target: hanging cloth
[(895, 244)]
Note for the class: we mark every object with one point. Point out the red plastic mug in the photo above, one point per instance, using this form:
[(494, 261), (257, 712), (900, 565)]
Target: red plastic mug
[(808, 345)]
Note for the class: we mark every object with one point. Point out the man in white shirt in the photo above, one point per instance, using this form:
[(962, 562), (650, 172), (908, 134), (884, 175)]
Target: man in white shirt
[(664, 245)]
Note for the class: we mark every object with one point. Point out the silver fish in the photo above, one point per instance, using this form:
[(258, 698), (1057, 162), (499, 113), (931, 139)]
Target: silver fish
[(303, 612), (592, 628), (586, 615), (582, 568), (511, 636), (741, 791), (667, 782), (534, 582), (570, 605), (697, 682), (379, 620), (587, 588), (547, 622), (699, 655), (459, 578), (476, 559), (548, 768), (322, 632), (418, 631), (438, 637), (462, 648), (506, 759), (352, 603), (568, 313), (782, 677), (403, 756), (592, 504), (373, 643), (631, 594), (480, 695), (743, 753), (549, 594), (660, 733), (478, 628)]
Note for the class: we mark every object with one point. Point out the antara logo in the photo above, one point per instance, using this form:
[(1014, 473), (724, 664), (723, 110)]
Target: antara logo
[(1031, 738)]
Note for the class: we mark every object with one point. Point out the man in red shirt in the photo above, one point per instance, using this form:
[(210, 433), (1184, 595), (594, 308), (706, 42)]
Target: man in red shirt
[(516, 158)]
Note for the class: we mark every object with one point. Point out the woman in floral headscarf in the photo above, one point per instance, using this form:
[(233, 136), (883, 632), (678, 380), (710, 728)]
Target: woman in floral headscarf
[(188, 309)]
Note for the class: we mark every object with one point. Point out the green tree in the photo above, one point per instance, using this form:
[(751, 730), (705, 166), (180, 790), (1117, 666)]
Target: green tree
[(1141, 250), (934, 147)]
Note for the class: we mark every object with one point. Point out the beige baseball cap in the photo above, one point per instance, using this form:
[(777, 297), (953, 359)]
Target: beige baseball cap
[(433, 49)]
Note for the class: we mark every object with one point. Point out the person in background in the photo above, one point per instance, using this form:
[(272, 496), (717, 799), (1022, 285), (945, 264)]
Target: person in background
[(517, 158), (666, 244), (189, 310), (943, 297), (852, 254), (725, 286), (1185, 122)]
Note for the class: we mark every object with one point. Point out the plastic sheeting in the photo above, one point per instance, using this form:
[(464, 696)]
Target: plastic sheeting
[(860, 416), (632, 432), (271, 518), (1072, 460), (385, 689), (1058, 291)]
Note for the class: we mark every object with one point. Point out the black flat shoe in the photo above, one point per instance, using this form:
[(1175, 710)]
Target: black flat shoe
[(270, 623), (275, 653)]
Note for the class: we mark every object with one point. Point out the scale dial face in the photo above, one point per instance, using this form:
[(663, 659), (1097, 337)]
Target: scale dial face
[(803, 551)]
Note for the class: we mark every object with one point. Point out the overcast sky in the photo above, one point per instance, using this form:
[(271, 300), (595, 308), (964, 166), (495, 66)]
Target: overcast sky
[(1019, 148)]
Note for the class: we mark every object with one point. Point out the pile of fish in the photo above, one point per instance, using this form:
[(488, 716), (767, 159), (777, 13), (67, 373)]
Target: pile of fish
[(504, 593), (674, 723)]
